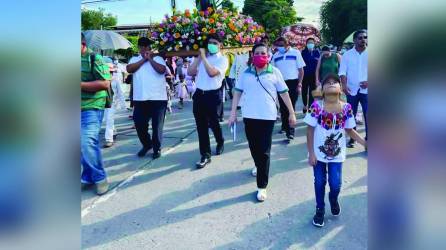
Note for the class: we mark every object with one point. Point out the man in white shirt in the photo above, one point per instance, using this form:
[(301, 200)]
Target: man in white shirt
[(209, 69), (291, 64), (353, 72), (149, 96)]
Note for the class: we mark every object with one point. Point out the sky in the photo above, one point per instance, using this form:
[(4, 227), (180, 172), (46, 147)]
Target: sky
[(145, 11)]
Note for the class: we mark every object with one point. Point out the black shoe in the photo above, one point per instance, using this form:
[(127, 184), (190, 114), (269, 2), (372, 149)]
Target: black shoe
[(290, 137), (220, 148), (156, 154), (351, 143), (144, 151), (335, 208), (318, 219), (203, 162), (281, 131)]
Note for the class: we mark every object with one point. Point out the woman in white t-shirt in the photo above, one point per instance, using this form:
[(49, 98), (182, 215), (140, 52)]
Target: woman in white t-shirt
[(327, 121), (259, 85)]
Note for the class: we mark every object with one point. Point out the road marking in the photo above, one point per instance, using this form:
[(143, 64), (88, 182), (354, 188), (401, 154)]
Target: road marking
[(139, 172)]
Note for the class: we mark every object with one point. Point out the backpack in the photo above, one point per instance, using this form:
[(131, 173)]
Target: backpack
[(109, 98)]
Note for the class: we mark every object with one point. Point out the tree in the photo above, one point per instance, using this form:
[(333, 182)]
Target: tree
[(97, 19), (273, 15), (229, 5), (339, 18)]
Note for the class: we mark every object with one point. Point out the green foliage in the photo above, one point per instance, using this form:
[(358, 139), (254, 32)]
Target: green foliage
[(127, 53), (271, 14), (339, 18), (229, 5), (97, 19)]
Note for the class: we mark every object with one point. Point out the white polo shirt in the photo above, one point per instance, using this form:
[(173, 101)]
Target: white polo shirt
[(260, 102), (204, 81), (148, 85), (288, 63), (354, 67)]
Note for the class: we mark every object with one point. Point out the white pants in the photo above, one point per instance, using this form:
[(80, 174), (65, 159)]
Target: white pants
[(109, 123)]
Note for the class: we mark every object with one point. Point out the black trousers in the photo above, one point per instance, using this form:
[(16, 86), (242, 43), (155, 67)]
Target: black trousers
[(221, 105), (131, 95), (259, 135), (229, 85), (205, 108), (143, 112), (308, 85), (284, 114)]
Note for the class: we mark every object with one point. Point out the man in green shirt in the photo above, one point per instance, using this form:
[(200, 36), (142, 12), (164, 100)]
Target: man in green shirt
[(95, 80)]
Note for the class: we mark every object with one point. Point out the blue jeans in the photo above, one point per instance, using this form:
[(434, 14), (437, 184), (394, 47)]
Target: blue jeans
[(320, 180), (91, 159), (355, 101)]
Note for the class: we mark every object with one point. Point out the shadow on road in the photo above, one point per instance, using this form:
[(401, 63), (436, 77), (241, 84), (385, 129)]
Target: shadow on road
[(293, 227)]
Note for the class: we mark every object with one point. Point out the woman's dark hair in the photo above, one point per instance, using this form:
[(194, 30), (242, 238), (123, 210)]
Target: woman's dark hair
[(310, 39), (330, 76), (144, 42), (258, 45), (83, 39)]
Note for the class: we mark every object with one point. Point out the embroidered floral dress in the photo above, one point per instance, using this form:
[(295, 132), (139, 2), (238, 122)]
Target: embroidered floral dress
[(329, 133)]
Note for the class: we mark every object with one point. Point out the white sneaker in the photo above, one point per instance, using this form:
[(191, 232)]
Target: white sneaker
[(254, 171), (261, 194)]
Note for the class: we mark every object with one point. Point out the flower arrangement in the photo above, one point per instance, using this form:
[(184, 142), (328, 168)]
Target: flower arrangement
[(188, 30)]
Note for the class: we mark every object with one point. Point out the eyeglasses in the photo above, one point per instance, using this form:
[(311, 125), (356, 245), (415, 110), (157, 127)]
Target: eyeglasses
[(84, 43), (362, 37)]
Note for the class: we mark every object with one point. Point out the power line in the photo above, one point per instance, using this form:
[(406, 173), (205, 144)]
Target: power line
[(99, 1)]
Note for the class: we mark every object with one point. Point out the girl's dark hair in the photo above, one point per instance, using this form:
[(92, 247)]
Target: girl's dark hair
[(325, 48), (258, 45), (330, 76)]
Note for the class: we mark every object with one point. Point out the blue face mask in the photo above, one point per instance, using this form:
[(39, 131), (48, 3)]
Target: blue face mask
[(310, 46), (212, 48), (281, 49)]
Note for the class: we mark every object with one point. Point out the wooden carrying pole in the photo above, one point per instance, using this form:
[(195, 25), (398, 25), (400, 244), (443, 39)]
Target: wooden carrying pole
[(187, 53)]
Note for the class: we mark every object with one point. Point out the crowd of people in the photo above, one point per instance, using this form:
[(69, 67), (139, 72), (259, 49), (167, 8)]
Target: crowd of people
[(263, 83)]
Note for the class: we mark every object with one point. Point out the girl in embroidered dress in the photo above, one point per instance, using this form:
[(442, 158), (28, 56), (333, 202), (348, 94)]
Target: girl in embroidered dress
[(328, 120)]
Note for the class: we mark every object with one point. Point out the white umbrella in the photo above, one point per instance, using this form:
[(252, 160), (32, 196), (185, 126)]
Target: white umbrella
[(106, 39)]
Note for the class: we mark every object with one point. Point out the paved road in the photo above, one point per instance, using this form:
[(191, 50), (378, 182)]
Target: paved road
[(168, 204)]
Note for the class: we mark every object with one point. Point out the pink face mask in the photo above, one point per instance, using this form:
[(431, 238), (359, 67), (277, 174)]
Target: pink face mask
[(260, 60)]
